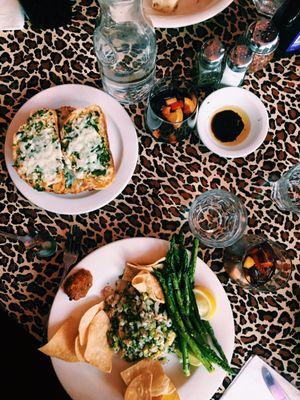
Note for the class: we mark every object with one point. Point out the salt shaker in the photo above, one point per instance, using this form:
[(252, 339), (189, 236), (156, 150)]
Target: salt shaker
[(237, 62), (210, 62), (262, 38)]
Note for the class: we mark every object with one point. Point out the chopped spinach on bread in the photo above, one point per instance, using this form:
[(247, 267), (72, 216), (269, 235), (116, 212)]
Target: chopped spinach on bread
[(71, 159)]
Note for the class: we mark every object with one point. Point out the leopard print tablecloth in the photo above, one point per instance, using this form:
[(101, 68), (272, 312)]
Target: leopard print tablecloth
[(165, 182)]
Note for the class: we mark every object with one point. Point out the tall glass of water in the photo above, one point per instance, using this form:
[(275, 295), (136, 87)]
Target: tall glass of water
[(125, 46), (286, 191), (218, 218)]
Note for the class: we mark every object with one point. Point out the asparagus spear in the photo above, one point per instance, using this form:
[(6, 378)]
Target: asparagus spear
[(177, 321), (214, 340), (188, 324), (193, 262), (185, 357), (172, 286), (203, 326)]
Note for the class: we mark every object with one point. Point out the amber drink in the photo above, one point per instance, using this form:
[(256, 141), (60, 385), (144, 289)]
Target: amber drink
[(258, 263)]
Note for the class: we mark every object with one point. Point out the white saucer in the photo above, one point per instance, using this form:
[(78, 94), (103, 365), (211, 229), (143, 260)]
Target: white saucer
[(250, 104)]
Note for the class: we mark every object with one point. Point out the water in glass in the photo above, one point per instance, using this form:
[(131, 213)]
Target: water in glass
[(217, 218), (125, 46), (286, 191)]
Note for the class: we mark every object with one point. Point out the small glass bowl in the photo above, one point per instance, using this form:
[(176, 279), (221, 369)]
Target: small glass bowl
[(218, 218), (235, 257), (162, 129)]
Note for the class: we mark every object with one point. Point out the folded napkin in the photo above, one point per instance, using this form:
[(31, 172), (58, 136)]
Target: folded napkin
[(11, 15), (250, 385)]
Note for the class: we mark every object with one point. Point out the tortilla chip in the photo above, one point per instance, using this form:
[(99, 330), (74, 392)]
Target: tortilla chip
[(139, 282), (132, 269), (149, 267), (173, 396), (161, 384), (79, 350), (62, 344), (97, 351), (139, 388), (129, 273), (86, 320), (144, 281)]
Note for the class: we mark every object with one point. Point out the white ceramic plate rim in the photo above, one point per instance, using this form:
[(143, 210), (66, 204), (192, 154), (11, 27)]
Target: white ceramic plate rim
[(228, 93), (144, 250), (119, 123), (180, 20)]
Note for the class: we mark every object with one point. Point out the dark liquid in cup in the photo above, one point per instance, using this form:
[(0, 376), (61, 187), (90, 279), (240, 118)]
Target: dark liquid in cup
[(259, 264), (230, 126)]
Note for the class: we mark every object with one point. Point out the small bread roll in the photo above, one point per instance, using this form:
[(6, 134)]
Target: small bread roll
[(166, 6)]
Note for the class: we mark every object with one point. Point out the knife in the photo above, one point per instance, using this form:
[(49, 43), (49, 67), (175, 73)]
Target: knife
[(274, 387)]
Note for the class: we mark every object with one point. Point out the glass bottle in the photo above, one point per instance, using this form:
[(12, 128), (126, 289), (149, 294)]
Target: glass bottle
[(287, 21), (237, 62), (262, 38), (125, 46), (210, 62), (267, 7)]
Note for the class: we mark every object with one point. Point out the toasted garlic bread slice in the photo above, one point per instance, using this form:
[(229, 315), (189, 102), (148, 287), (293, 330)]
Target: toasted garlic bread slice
[(87, 156), (37, 152)]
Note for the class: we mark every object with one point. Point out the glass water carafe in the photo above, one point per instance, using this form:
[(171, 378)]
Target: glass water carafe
[(125, 46)]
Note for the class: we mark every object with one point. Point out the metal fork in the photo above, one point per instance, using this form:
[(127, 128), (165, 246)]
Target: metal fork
[(72, 249)]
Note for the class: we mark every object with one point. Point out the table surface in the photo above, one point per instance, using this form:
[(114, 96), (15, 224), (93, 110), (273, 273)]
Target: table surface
[(165, 182)]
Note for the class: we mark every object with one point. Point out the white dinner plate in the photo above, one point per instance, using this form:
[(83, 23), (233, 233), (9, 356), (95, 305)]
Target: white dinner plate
[(84, 382), (122, 138), (188, 12)]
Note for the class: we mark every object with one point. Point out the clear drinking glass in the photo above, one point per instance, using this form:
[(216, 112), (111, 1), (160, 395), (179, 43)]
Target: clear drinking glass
[(286, 191), (172, 110), (125, 46), (218, 218), (257, 263), (268, 7)]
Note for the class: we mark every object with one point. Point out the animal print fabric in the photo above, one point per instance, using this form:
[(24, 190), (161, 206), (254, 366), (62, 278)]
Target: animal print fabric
[(167, 178)]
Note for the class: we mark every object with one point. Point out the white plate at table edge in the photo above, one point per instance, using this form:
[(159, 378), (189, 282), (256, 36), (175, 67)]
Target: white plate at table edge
[(195, 12), (122, 137), (84, 382)]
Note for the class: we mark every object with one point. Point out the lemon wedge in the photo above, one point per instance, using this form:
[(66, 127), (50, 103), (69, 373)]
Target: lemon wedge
[(194, 361), (205, 301)]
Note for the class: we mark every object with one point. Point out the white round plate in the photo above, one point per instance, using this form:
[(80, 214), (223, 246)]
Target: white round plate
[(188, 12), (122, 138), (84, 382), (247, 102)]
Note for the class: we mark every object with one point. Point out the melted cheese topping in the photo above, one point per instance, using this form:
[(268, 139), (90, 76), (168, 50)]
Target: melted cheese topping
[(84, 147), (40, 156)]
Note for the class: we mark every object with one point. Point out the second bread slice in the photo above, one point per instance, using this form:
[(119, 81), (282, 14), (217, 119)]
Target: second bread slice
[(88, 160)]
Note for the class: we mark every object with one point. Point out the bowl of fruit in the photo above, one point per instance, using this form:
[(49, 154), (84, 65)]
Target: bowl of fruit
[(172, 110)]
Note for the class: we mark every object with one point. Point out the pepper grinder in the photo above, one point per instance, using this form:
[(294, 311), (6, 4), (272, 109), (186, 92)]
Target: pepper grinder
[(210, 62)]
